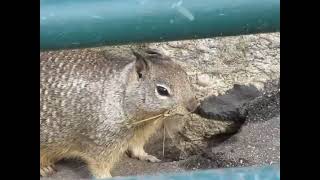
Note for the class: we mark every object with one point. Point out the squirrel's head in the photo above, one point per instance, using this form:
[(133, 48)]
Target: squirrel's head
[(158, 85)]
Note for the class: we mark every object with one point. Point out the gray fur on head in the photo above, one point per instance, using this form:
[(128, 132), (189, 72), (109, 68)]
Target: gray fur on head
[(152, 71)]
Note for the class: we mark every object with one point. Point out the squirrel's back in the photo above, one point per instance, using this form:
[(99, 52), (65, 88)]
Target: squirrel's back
[(75, 86)]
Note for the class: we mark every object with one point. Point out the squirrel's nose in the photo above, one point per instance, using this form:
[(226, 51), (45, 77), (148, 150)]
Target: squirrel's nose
[(192, 105)]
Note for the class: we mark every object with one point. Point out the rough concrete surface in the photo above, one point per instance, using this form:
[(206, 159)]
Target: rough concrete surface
[(214, 66)]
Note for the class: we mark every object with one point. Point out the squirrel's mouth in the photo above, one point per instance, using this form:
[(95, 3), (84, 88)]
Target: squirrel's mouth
[(175, 111)]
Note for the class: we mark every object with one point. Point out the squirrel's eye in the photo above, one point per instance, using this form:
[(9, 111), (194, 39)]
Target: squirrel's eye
[(162, 91)]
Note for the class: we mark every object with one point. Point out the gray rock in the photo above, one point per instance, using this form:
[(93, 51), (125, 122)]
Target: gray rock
[(227, 106)]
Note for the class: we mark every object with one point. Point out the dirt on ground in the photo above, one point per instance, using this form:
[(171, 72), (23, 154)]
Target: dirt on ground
[(214, 65)]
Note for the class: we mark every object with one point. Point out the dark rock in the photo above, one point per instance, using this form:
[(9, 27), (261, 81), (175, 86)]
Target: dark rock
[(227, 106)]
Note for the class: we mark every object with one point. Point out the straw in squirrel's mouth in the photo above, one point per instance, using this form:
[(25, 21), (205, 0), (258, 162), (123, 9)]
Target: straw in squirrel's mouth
[(167, 113), (149, 119)]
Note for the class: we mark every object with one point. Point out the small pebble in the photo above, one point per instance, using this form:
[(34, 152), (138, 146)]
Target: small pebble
[(203, 80)]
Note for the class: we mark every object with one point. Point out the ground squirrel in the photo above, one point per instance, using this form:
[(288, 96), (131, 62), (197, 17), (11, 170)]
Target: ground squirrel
[(93, 107)]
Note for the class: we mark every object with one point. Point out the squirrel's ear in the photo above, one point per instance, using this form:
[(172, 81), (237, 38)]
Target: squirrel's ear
[(141, 64)]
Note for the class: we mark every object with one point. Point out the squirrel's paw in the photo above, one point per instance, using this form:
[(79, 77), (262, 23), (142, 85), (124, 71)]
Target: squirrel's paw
[(149, 158), (139, 153), (47, 171)]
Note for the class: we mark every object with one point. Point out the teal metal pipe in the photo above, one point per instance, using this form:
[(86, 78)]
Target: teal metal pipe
[(89, 23), (271, 172)]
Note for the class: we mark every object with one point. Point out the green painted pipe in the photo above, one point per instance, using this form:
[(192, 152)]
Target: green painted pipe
[(271, 172), (89, 23)]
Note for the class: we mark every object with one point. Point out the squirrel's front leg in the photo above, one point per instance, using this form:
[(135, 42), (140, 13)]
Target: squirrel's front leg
[(137, 151), (141, 136), (99, 170)]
